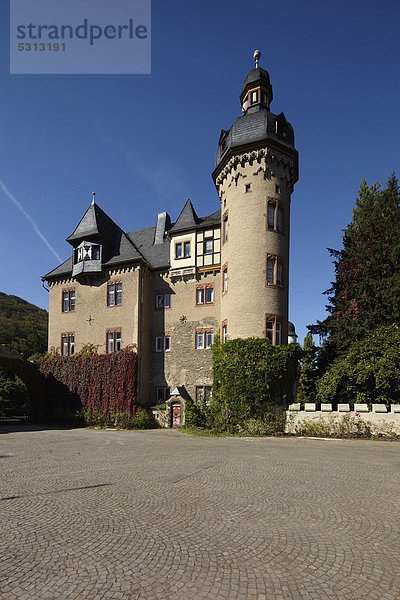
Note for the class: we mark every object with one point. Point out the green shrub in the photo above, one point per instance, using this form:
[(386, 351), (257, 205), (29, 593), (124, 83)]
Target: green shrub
[(13, 393), (368, 373)]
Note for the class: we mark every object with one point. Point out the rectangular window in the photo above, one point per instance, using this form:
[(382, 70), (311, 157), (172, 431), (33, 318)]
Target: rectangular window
[(270, 331), (200, 296), (279, 219), (113, 341), (278, 337), (270, 271), (163, 300), (163, 343), (271, 216), (159, 344), (208, 246), (279, 279), (163, 394), (204, 339), (224, 332), (274, 215), (114, 294), (68, 300), (247, 188), (273, 329), (203, 394), (187, 249), (200, 341), (209, 339), (178, 250), (224, 279), (254, 97), (225, 227), (274, 270), (204, 294), (67, 344)]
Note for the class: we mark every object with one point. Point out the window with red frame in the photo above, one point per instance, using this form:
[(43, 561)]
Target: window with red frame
[(114, 293), (67, 344), (68, 300), (274, 216), (114, 341), (204, 295), (273, 330), (274, 270)]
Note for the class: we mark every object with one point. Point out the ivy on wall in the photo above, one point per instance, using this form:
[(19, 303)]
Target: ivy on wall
[(252, 380), (105, 383)]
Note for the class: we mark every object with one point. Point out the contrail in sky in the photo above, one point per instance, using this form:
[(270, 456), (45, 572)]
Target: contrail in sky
[(29, 218)]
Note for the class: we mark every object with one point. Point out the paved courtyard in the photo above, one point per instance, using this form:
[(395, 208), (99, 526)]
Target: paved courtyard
[(163, 515)]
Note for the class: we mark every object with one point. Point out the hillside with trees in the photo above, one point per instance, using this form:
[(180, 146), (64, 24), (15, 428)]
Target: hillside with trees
[(23, 326)]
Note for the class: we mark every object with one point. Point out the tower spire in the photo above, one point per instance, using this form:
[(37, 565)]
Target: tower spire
[(93, 197), (256, 57)]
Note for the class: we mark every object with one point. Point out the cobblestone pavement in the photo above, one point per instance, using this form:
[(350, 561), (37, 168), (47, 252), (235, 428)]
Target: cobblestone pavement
[(89, 514)]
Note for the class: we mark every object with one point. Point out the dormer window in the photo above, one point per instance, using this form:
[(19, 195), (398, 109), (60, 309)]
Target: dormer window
[(182, 250), (87, 251), (87, 258)]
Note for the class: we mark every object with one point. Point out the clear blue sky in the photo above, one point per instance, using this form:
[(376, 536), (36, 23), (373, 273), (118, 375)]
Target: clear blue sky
[(145, 143)]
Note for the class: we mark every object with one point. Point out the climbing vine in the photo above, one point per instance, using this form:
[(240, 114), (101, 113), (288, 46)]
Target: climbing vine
[(105, 383)]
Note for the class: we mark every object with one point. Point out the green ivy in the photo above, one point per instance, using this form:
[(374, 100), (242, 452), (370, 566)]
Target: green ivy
[(252, 379)]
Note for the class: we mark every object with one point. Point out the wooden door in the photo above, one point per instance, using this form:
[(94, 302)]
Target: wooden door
[(176, 414)]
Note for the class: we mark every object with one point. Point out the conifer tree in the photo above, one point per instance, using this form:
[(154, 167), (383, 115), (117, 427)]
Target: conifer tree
[(306, 384), (366, 292)]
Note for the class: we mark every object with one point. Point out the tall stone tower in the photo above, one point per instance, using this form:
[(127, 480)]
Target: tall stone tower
[(256, 169)]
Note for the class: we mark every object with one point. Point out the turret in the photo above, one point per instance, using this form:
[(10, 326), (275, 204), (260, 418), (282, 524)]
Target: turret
[(256, 169)]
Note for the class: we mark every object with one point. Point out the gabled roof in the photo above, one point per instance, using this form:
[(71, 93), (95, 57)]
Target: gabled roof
[(95, 223), (187, 219), (134, 246)]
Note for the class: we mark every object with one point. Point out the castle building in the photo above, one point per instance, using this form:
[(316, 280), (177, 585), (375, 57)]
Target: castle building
[(168, 289)]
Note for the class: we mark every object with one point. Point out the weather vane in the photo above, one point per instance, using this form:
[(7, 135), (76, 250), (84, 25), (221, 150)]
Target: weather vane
[(256, 57)]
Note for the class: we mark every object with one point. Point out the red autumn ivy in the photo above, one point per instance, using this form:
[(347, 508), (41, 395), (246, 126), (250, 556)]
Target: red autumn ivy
[(103, 382)]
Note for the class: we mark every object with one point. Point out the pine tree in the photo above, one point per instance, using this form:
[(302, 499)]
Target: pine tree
[(366, 292)]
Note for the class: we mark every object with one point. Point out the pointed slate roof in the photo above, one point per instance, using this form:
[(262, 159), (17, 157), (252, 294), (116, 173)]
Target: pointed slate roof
[(187, 219), (132, 246), (95, 223)]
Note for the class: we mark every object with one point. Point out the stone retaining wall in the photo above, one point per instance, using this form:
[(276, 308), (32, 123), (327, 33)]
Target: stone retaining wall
[(343, 420)]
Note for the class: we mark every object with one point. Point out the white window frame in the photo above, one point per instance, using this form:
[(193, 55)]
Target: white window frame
[(163, 343), (209, 339), (199, 340), (209, 241), (67, 346), (114, 339)]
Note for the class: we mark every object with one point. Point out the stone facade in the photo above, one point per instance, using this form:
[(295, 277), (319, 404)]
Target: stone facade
[(168, 290)]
